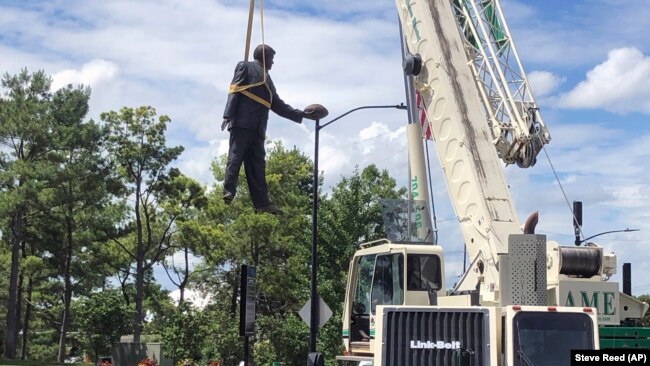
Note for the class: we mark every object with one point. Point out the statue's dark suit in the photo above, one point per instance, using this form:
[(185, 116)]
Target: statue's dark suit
[(248, 129)]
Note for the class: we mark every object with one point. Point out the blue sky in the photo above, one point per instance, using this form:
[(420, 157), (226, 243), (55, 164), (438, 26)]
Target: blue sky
[(588, 63)]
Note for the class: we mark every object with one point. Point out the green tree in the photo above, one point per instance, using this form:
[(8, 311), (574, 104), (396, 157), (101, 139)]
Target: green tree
[(287, 339), (221, 334), (184, 239), (69, 183), (25, 125), (42, 303), (81, 192), (103, 318), (138, 149), (183, 334)]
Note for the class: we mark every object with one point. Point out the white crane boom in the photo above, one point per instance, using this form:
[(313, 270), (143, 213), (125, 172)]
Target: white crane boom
[(467, 122)]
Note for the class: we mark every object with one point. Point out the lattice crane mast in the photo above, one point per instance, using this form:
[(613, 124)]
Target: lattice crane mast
[(518, 130)]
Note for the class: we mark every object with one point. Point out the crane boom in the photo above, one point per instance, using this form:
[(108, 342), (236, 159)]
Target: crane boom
[(463, 138)]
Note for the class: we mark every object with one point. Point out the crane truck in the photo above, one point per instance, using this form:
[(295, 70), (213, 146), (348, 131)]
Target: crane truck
[(524, 300)]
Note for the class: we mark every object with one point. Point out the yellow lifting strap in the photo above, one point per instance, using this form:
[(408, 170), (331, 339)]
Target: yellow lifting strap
[(254, 97), (243, 89)]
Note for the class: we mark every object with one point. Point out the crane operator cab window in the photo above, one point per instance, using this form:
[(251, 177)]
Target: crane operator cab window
[(360, 317), (387, 281), (423, 272), (379, 281)]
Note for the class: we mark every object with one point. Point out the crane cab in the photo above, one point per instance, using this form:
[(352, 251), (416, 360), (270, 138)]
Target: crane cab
[(384, 272)]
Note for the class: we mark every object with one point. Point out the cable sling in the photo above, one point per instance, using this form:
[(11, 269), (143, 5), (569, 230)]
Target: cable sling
[(243, 89)]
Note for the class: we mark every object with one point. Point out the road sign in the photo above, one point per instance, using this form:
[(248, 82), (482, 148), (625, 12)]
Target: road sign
[(324, 312)]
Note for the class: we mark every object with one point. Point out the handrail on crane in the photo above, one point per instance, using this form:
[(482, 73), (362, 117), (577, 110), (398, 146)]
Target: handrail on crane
[(373, 243)]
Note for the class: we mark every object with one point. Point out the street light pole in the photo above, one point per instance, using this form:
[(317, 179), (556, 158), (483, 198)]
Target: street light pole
[(313, 320), (609, 232), (315, 309)]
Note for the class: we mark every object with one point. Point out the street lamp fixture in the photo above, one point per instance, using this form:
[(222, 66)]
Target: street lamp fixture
[(314, 321)]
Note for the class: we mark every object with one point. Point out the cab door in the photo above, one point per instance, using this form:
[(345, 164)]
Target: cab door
[(387, 283), (360, 310)]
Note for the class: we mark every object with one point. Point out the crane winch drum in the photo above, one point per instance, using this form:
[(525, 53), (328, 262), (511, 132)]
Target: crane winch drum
[(582, 262)]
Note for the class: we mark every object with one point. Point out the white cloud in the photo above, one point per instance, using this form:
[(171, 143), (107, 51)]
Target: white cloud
[(92, 73), (178, 260), (223, 147), (375, 130), (196, 159), (196, 297), (334, 160), (543, 82), (632, 195), (620, 84)]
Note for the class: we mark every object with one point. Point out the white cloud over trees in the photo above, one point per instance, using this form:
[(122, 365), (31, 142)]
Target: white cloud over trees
[(91, 74)]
